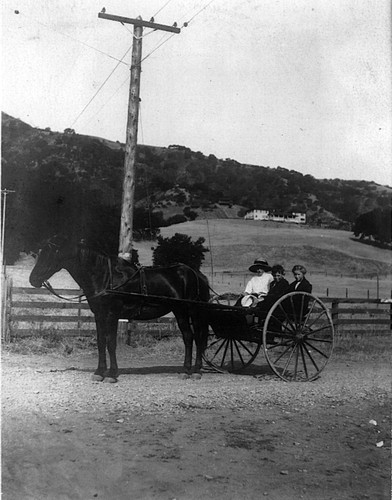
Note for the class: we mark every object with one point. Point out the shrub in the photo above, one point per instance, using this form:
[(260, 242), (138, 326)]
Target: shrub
[(179, 248)]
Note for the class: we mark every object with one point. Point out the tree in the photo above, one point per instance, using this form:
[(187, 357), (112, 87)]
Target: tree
[(375, 224), (179, 248)]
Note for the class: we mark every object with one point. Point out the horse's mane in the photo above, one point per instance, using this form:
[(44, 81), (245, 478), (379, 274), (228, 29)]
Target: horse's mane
[(98, 256), (86, 253)]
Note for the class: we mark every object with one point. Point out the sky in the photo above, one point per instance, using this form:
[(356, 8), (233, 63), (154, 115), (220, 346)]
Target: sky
[(300, 84)]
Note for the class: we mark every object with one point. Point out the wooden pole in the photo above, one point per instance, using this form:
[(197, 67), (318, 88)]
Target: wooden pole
[(126, 227)]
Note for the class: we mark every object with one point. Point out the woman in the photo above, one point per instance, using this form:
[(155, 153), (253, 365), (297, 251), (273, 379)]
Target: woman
[(258, 286), (300, 283)]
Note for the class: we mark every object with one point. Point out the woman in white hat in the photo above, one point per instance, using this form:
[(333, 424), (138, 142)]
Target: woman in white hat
[(258, 286)]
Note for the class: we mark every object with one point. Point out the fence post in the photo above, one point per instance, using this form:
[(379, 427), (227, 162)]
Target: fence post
[(390, 314), (79, 314), (335, 312), (6, 307), (122, 331)]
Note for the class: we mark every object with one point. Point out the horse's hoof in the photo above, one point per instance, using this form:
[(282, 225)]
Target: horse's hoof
[(185, 376), (109, 380), (196, 376), (96, 378)]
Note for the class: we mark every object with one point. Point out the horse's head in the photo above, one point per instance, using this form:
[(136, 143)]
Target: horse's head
[(51, 259)]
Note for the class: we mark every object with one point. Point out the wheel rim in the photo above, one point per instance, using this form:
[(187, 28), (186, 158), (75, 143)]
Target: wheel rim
[(298, 337), (229, 354)]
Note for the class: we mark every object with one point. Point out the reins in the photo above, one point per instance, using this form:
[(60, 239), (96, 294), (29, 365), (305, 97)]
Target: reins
[(49, 287)]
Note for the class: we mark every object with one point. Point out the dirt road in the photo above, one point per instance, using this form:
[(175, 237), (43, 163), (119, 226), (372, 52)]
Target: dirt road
[(154, 435)]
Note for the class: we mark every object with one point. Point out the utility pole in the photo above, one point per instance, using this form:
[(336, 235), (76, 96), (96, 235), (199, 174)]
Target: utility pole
[(126, 228), (4, 192)]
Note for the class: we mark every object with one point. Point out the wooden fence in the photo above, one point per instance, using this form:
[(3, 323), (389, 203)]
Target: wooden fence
[(33, 311)]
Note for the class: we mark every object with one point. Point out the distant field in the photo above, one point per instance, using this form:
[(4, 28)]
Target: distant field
[(337, 265), (235, 244)]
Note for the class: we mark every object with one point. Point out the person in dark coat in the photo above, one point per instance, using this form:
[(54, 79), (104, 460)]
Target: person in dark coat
[(280, 285), (278, 288), (300, 283)]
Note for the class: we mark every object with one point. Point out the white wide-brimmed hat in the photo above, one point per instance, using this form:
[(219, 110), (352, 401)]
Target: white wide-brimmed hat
[(248, 301)]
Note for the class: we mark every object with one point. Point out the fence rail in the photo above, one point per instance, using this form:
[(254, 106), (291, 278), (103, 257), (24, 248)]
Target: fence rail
[(32, 311)]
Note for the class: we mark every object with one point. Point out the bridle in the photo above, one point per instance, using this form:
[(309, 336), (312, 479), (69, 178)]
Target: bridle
[(108, 285)]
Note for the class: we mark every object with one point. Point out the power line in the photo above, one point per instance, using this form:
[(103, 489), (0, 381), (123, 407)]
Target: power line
[(72, 38), (200, 11), (101, 86), (185, 25), (110, 98), (156, 13)]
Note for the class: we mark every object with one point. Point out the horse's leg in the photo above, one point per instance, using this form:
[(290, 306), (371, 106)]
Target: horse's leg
[(187, 335), (111, 343), (200, 329), (99, 373)]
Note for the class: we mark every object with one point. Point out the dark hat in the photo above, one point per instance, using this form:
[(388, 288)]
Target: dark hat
[(260, 263)]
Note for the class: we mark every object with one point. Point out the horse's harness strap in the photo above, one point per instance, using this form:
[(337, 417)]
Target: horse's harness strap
[(143, 282)]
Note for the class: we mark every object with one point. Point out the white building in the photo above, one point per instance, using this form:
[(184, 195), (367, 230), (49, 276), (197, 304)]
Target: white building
[(295, 217)]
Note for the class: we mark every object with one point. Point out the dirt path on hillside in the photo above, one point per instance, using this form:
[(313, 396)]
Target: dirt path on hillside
[(156, 436)]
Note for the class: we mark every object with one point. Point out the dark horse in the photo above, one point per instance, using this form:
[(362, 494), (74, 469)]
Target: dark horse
[(116, 288)]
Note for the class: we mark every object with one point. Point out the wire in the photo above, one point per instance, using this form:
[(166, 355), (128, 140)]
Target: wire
[(110, 98), (72, 38), (185, 25), (101, 86), (156, 48), (156, 13), (200, 11)]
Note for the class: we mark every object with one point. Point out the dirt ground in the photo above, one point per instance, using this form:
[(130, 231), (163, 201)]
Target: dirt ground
[(154, 435)]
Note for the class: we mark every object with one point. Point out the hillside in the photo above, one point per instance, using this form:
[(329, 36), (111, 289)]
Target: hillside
[(67, 181), (236, 244)]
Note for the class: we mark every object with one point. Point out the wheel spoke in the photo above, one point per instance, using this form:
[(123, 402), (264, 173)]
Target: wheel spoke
[(288, 361), (225, 352), (284, 352), (287, 320), (315, 339), (294, 312), (315, 348), (244, 346), (316, 319), (219, 348), (316, 330), (311, 357), (296, 363), (304, 362), (239, 353), (283, 344), (308, 314)]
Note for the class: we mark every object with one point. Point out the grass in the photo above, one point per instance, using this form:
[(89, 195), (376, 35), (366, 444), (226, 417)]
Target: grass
[(363, 345), (52, 342), (349, 345)]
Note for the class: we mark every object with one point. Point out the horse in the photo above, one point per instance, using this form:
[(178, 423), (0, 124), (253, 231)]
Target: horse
[(116, 288)]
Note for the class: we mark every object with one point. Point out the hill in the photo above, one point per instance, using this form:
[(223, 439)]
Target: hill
[(236, 244), (67, 181)]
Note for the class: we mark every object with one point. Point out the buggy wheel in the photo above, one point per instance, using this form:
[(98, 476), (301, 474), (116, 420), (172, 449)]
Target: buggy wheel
[(298, 337), (229, 354)]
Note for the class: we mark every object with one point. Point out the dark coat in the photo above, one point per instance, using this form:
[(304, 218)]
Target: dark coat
[(277, 290), (304, 286)]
